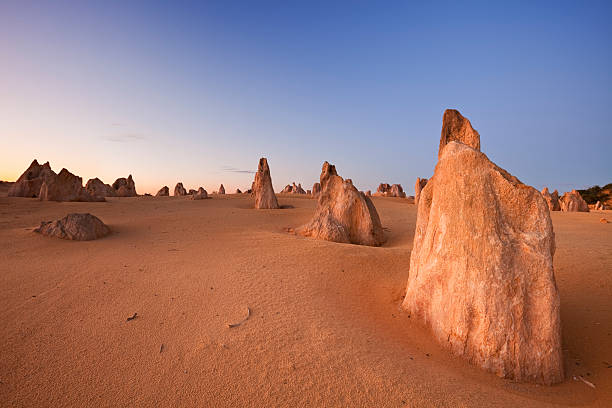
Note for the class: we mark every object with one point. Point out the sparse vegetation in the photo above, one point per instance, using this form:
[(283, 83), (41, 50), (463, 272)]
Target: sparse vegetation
[(593, 194)]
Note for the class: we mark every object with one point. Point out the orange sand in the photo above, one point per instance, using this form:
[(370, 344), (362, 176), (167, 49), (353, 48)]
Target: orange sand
[(325, 328)]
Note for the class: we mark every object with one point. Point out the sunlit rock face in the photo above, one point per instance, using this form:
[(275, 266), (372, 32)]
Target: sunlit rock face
[(262, 187)]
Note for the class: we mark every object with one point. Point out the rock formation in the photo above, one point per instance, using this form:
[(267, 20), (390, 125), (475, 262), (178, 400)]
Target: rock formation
[(125, 187), (221, 190), (343, 214), (201, 194), (79, 227), (298, 189), (192, 191), (179, 190), (599, 206), (457, 128), (238, 191), (316, 189), (418, 187), (97, 188), (262, 187), (163, 192), (66, 187), (387, 190), (30, 182), (551, 199), (573, 202), (481, 267), (368, 193)]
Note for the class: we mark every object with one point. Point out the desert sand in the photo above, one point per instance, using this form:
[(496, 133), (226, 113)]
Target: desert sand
[(325, 325)]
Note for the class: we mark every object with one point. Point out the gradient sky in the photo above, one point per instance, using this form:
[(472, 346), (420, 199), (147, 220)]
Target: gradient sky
[(197, 92)]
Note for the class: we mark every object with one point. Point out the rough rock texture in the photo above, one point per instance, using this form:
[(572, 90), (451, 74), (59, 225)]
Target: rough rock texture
[(457, 128), (201, 194), (551, 199), (163, 192), (125, 187), (66, 187), (221, 190), (573, 202), (388, 190), (79, 227), (179, 190), (316, 189), (343, 214), (30, 182), (418, 187), (96, 187), (262, 187), (481, 268)]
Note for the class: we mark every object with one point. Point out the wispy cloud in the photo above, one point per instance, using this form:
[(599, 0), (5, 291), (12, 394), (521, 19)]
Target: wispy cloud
[(125, 138), (231, 169)]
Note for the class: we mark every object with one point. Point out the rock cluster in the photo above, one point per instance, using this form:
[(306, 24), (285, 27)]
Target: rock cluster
[(201, 194), (125, 187), (573, 202), (30, 182), (96, 187), (552, 200), (262, 187), (66, 187), (343, 214), (79, 227), (481, 267), (293, 189), (599, 206), (388, 190)]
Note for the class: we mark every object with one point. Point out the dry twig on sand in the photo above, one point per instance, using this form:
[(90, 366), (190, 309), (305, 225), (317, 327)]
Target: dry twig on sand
[(132, 317), (230, 326)]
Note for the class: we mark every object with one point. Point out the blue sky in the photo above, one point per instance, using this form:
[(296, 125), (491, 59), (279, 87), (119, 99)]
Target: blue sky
[(197, 92)]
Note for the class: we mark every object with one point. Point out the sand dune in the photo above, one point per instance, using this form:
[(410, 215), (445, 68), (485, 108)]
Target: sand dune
[(325, 327)]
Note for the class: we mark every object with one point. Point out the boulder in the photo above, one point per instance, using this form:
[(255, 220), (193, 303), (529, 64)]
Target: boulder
[(30, 182), (66, 187), (573, 202), (125, 187), (78, 227), (201, 194), (96, 187), (179, 190), (551, 199), (221, 190), (163, 192), (457, 128), (418, 187), (481, 268), (316, 189), (343, 214), (262, 187)]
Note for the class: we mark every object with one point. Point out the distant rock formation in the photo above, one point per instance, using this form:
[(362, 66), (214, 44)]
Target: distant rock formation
[(298, 189), (316, 189), (238, 191), (262, 187), (552, 200), (78, 227), (481, 267), (192, 191), (343, 214), (179, 190), (201, 194), (418, 187), (163, 192), (287, 189), (221, 190), (387, 190), (368, 193), (97, 188), (457, 128), (125, 187), (573, 202), (66, 187), (30, 182)]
